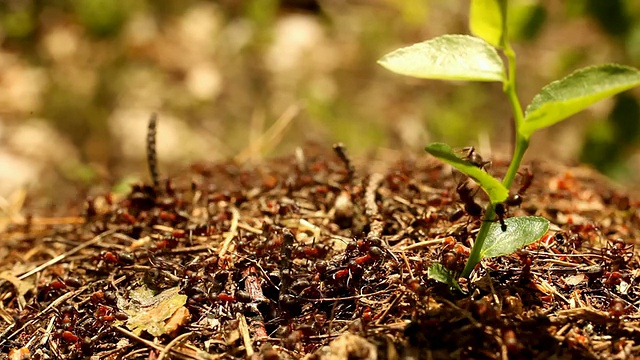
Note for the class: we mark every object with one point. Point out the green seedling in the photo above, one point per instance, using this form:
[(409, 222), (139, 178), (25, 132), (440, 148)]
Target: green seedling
[(477, 58)]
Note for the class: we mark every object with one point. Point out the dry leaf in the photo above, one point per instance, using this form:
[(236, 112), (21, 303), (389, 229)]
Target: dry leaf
[(19, 354), (177, 320), (148, 311)]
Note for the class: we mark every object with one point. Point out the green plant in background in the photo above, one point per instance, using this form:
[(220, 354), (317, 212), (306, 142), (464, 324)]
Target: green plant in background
[(609, 141), (102, 18), (476, 58)]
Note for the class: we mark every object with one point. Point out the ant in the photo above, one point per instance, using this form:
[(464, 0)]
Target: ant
[(501, 211), (470, 206), (527, 179), (474, 158), (514, 199)]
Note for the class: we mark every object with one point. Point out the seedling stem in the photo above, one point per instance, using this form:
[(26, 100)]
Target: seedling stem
[(518, 153)]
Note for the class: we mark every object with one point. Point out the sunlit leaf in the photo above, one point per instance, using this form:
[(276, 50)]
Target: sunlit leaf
[(492, 186), (448, 57), (563, 98), (487, 20), (521, 231)]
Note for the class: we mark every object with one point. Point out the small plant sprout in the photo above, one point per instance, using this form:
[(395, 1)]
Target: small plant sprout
[(476, 58)]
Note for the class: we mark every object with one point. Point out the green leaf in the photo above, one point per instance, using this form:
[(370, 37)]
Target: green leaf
[(563, 98), (439, 273), (487, 20), (521, 231), (492, 186), (448, 57)]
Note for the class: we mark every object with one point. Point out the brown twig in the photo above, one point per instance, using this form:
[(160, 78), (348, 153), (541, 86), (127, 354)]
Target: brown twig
[(389, 307), (246, 338), (61, 257), (341, 151), (179, 339), (54, 304), (352, 297), (406, 263), (155, 346), (422, 244), (285, 264), (371, 207), (152, 157), (233, 231)]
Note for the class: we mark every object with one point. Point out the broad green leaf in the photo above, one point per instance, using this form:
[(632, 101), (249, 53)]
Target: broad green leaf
[(487, 19), (563, 98), (448, 57), (492, 186), (439, 273), (521, 231)]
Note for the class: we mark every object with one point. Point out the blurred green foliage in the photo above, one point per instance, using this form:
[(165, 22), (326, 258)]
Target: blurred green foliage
[(18, 23), (609, 142), (102, 18), (526, 20), (215, 65), (614, 16)]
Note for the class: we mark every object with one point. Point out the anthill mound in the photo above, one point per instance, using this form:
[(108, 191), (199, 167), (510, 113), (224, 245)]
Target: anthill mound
[(309, 256)]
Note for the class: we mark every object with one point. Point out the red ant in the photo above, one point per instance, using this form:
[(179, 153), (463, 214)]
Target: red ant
[(501, 211), (514, 199), (466, 197), (474, 209), (464, 192), (527, 179)]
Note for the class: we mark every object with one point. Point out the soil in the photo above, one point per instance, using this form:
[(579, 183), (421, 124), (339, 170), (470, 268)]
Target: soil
[(311, 256)]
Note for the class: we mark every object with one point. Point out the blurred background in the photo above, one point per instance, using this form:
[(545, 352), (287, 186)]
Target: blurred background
[(248, 79)]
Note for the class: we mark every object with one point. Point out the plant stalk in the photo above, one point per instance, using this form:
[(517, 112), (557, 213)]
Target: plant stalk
[(521, 147), (509, 87), (475, 256), (522, 143), (490, 214)]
